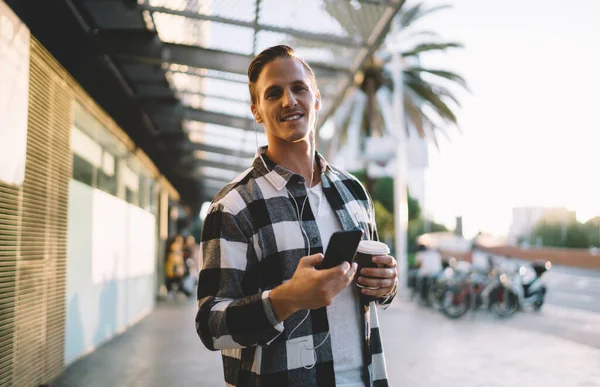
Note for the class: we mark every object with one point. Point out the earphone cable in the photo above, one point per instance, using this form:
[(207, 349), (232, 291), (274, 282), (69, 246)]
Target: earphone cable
[(300, 213)]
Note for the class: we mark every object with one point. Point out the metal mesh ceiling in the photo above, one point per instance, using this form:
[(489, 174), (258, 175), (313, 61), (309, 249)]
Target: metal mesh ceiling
[(203, 49)]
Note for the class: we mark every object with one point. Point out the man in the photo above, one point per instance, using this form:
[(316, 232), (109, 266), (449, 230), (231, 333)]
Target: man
[(430, 265), (277, 320)]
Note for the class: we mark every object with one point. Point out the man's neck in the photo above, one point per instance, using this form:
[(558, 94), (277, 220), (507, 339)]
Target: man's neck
[(298, 157)]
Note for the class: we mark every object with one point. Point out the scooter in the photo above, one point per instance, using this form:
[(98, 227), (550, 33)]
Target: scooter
[(533, 288), (523, 289)]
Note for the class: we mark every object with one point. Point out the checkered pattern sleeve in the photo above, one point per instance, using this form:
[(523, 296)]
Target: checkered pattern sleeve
[(232, 313)]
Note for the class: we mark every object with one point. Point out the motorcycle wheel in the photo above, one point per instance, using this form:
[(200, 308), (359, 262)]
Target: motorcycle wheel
[(453, 309), (423, 290), (433, 296), (537, 305), (505, 304)]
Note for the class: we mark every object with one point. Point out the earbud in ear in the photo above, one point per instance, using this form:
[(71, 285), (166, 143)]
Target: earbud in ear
[(255, 113)]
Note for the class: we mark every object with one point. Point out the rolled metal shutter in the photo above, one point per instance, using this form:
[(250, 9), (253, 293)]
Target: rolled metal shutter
[(33, 234)]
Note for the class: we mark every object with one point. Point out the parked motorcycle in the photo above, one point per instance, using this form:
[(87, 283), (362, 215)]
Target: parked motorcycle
[(426, 288), (472, 291), (523, 289)]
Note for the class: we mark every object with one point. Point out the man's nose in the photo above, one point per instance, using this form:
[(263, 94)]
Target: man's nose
[(289, 100)]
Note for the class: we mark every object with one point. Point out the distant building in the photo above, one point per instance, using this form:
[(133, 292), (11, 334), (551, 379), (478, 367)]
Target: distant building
[(524, 219)]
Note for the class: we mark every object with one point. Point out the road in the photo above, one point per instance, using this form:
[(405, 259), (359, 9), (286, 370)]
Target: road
[(574, 288), (556, 347)]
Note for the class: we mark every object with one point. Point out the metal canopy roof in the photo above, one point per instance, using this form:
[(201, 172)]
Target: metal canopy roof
[(185, 63)]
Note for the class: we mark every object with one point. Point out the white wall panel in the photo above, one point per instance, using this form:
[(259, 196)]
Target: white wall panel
[(110, 268)]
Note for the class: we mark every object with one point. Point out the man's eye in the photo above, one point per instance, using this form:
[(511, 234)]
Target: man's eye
[(301, 89)]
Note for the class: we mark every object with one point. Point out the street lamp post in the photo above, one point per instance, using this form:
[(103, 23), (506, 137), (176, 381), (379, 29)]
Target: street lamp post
[(400, 194)]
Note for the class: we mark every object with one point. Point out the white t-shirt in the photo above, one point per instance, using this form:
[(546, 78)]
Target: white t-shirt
[(431, 262), (344, 314)]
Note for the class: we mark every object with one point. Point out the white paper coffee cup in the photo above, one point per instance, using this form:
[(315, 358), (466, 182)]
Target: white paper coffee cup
[(365, 253)]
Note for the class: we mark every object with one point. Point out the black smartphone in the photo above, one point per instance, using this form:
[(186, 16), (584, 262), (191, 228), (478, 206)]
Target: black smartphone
[(342, 247)]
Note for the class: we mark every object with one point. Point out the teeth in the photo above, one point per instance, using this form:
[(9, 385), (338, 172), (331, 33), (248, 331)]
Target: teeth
[(292, 118)]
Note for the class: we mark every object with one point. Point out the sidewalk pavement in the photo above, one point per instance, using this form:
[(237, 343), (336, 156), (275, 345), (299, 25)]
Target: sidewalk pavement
[(423, 349)]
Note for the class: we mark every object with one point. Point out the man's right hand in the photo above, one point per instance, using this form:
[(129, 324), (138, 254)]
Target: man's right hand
[(310, 288)]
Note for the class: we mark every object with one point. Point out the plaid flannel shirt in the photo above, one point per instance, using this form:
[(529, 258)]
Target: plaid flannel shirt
[(252, 242)]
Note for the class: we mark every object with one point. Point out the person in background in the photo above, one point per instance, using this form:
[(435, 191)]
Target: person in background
[(430, 264), (190, 256), (175, 266)]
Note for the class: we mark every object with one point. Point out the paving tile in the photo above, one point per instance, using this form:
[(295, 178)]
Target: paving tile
[(423, 349)]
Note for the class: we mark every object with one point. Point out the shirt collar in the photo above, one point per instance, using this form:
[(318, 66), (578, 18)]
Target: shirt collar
[(277, 175)]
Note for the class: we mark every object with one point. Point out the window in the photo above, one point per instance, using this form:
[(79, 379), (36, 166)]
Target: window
[(153, 202), (130, 196), (83, 170), (102, 161), (87, 155), (132, 185), (107, 176), (92, 164), (146, 192)]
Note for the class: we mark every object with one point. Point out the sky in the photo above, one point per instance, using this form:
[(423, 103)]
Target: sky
[(530, 126)]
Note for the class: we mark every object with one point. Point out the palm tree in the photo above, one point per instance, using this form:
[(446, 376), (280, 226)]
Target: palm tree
[(429, 102), (420, 93)]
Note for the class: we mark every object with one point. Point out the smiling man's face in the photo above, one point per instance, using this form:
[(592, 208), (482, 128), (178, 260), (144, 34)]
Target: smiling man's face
[(286, 101)]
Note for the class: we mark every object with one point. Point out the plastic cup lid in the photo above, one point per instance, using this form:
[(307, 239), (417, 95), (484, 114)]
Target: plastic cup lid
[(373, 248)]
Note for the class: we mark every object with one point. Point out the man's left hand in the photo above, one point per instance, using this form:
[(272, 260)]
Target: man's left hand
[(384, 277)]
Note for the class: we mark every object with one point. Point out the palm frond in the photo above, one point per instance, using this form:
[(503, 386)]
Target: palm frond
[(431, 130), (443, 132), (414, 115), (409, 15), (423, 33), (449, 75), (419, 116), (428, 96), (416, 12), (445, 92), (424, 47)]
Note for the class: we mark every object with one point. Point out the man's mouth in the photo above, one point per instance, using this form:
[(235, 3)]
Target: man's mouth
[(292, 117)]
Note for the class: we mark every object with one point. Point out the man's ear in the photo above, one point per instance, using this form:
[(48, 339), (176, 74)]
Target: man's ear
[(318, 101), (256, 114)]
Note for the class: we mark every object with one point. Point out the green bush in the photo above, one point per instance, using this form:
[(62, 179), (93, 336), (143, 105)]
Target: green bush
[(382, 192), (573, 234)]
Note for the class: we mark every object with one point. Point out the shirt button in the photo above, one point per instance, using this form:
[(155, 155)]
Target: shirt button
[(315, 240)]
